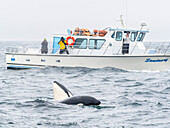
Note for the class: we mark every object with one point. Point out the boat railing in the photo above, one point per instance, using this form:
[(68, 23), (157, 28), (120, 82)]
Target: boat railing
[(80, 48), (157, 47), (120, 48), (11, 49), (150, 48), (23, 50)]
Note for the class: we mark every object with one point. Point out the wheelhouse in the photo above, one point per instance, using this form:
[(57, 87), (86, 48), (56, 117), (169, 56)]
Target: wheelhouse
[(134, 35)]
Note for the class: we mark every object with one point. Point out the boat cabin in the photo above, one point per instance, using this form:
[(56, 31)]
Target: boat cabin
[(102, 42)]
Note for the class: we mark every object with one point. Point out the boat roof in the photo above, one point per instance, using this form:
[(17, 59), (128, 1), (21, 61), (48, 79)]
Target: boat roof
[(117, 29), (77, 36)]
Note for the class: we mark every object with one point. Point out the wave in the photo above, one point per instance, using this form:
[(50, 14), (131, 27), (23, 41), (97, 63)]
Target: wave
[(102, 107), (166, 90)]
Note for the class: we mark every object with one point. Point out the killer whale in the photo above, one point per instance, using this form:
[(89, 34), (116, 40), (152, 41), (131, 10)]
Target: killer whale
[(63, 95)]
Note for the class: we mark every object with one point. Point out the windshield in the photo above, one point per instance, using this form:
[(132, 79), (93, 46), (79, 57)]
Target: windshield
[(133, 36), (141, 36)]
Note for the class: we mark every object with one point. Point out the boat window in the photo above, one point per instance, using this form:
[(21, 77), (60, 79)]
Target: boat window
[(42, 60), (141, 36), (133, 36), (80, 43), (113, 35), (27, 60), (96, 43), (118, 36)]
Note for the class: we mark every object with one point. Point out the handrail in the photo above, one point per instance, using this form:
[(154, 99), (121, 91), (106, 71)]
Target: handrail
[(167, 47), (91, 51), (106, 48), (147, 47), (119, 49), (162, 47), (157, 47), (133, 48)]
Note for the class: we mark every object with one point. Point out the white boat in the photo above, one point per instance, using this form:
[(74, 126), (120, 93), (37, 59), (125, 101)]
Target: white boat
[(94, 51)]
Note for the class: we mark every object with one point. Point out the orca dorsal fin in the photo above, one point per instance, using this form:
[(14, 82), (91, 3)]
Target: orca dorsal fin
[(60, 92)]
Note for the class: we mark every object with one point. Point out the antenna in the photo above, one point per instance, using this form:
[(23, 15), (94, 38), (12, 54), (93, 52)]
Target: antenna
[(142, 25), (126, 14), (121, 19)]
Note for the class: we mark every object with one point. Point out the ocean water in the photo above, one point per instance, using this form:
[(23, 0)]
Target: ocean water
[(129, 99)]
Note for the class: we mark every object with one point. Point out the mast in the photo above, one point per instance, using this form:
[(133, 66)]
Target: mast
[(126, 15), (121, 19)]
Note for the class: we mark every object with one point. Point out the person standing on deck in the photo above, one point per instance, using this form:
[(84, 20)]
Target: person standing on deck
[(63, 47), (125, 46), (44, 47), (127, 40)]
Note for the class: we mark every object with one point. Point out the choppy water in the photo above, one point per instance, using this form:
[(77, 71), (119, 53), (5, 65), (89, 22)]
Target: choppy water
[(129, 99)]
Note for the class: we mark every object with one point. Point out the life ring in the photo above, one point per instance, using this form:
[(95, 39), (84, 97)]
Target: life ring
[(73, 40)]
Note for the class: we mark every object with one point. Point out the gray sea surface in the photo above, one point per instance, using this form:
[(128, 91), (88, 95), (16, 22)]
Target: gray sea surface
[(129, 99)]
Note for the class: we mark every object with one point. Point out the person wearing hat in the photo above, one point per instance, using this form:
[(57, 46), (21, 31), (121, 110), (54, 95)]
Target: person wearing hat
[(44, 47)]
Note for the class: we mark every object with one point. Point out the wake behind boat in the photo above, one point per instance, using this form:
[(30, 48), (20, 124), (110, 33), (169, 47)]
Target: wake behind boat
[(119, 48)]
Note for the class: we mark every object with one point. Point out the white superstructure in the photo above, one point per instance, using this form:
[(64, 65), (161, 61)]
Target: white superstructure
[(113, 49)]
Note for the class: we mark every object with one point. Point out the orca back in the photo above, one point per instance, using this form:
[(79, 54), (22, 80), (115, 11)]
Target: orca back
[(84, 100)]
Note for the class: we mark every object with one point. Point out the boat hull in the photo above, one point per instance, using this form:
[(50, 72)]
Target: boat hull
[(125, 62)]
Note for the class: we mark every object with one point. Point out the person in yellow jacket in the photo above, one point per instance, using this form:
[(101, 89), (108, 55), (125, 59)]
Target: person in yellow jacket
[(63, 47)]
